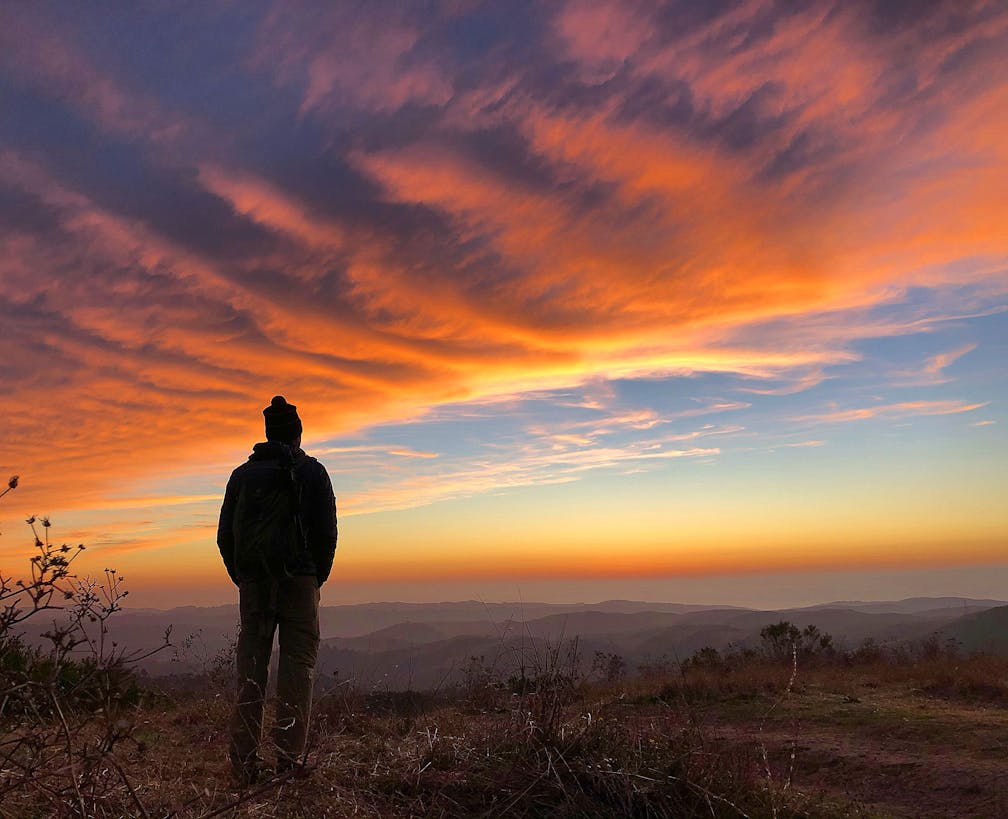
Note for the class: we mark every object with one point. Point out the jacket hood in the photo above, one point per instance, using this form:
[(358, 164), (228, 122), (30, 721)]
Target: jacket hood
[(274, 450)]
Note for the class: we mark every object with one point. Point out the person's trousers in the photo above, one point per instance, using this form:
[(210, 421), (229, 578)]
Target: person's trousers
[(289, 606)]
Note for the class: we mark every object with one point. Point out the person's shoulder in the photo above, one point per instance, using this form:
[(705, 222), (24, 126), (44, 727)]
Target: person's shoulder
[(236, 476), (315, 469), (254, 458), (311, 466), (239, 470)]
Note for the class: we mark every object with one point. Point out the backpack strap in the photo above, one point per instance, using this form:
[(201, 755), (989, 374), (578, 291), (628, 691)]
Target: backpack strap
[(297, 493)]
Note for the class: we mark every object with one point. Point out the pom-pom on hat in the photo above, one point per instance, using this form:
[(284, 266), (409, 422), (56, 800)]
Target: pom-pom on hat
[(282, 421)]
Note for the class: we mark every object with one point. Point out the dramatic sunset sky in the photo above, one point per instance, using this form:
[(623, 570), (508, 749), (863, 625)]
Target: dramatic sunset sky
[(699, 301)]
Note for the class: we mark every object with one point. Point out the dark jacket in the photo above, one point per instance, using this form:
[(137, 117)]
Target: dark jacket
[(318, 513)]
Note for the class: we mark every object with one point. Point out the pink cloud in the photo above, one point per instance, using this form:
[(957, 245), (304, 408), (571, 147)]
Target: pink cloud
[(937, 363), (904, 409), (341, 57)]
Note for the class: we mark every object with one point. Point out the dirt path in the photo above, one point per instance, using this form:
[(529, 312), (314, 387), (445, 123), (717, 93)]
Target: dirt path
[(886, 754)]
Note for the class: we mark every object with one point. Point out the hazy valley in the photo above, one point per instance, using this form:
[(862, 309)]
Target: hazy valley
[(401, 646)]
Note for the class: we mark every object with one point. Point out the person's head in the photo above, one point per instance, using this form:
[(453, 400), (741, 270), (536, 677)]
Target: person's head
[(282, 422)]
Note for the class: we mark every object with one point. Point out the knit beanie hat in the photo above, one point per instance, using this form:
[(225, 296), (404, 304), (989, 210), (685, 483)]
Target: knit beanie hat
[(282, 421)]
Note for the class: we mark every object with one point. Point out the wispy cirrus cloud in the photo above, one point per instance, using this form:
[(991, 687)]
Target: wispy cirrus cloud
[(937, 363), (539, 461), (398, 452), (382, 211), (904, 409), (638, 419)]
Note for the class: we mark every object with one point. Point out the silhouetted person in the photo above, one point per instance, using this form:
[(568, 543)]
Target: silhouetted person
[(277, 535)]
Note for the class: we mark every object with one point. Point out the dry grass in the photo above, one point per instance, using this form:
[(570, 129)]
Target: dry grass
[(602, 756), (705, 742), (980, 678)]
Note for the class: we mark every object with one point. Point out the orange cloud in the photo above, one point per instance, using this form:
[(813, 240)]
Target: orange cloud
[(630, 197)]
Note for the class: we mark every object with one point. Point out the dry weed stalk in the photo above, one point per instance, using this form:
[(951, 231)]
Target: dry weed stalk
[(66, 700)]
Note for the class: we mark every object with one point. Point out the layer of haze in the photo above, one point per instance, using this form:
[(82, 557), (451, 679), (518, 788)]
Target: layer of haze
[(583, 300)]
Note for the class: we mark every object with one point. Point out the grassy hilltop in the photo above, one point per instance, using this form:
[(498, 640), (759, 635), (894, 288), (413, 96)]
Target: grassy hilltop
[(750, 734)]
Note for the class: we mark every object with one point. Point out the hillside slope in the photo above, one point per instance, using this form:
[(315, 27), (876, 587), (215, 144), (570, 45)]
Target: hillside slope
[(983, 631)]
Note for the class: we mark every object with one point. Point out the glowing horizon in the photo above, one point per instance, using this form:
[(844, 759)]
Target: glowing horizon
[(562, 291)]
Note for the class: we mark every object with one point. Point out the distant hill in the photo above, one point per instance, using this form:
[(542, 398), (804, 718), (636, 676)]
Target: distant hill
[(981, 631), (641, 637), (401, 635), (913, 605), (395, 644)]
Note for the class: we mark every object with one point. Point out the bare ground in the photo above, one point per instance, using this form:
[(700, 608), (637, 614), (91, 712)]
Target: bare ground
[(883, 753)]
